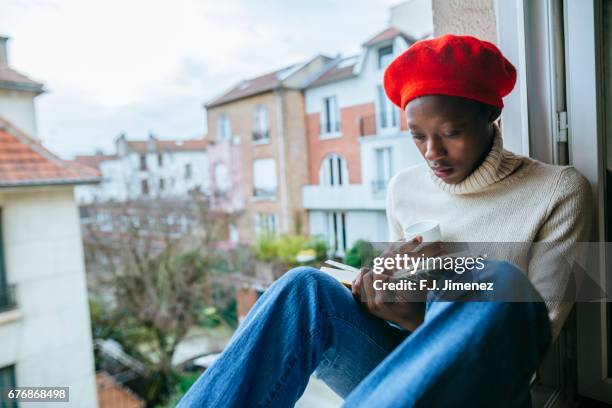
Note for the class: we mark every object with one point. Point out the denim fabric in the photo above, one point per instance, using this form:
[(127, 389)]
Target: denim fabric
[(466, 353)]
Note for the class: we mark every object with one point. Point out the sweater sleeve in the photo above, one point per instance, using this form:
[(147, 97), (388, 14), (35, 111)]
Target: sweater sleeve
[(395, 229), (558, 244)]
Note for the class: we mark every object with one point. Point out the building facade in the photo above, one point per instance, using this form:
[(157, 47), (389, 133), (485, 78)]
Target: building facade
[(147, 168), (259, 128), (44, 314), (357, 140)]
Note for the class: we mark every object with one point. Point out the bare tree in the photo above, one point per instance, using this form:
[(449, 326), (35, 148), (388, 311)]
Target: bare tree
[(150, 262)]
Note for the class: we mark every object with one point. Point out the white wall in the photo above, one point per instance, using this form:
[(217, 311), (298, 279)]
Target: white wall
[(51, 343), (356, 90), (404, 154), (121, 177), (414, 17), (18, 108)]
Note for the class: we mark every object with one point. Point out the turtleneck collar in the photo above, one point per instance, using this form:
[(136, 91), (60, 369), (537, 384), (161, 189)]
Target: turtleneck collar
[(498, 165)]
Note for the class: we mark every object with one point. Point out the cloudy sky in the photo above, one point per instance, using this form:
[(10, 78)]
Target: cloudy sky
[(141, 66)]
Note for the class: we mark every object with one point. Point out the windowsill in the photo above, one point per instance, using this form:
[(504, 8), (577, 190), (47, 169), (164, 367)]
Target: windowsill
[(9, 316), (333, 135), (266, 198), (261, 142), (388, 129)]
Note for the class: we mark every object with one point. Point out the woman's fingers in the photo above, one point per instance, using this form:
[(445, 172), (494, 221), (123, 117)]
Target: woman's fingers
[(357, 282)]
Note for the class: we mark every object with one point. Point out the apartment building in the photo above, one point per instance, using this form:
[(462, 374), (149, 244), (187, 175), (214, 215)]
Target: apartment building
[(147, 168), (44, 315), (259, 165), (356, 141)]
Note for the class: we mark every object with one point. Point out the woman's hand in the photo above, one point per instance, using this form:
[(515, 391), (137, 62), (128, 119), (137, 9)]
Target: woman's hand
[(404, 307)]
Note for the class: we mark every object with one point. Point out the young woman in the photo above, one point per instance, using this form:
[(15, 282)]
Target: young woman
[(441, 353)]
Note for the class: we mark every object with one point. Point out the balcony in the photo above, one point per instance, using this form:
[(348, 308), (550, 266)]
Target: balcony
[(381, 122), (330, 130), (379, 187), (351, 197), (260, 137), (367, 125), (8, 301)]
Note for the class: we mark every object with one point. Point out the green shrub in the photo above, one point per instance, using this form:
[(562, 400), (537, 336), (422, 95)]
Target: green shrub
[(284, 249), (360, 254)]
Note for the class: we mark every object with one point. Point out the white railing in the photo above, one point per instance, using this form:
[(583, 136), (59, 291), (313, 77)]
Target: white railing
[(350, 197)]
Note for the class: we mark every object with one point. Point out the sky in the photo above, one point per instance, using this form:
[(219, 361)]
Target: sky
[(142, 66)]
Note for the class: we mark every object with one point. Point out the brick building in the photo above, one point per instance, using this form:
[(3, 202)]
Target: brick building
[(261, 166)]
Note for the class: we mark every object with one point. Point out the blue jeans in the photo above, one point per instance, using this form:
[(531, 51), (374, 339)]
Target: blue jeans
[(465, 353)]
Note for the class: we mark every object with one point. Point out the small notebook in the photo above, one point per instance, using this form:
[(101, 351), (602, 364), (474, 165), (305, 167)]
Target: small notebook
[(341, 272)]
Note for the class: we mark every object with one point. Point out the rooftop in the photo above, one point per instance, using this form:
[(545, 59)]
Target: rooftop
[(253, 86), (337, 70), (388, 34), (11, 79), (25, 162)]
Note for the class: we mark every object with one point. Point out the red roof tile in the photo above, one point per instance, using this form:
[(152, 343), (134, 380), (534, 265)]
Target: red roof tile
[(25, 162), (94, 160), (388, 34), (11, 79)]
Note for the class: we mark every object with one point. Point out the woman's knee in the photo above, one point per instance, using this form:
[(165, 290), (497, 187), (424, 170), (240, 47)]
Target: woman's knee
[(508, 282), (304, 276)]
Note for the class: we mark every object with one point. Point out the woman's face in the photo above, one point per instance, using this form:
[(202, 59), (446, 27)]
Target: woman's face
[(453, 134)]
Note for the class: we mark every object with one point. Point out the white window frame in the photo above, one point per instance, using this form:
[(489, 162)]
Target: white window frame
[(265, 189), (387, 114), (333, 171), (224, 130), (261, 125), (383, 170), (266, 223), (380, 62), (331, 126), (337, 231)]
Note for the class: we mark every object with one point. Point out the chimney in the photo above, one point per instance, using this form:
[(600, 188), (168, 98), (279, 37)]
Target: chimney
[(4, 50)]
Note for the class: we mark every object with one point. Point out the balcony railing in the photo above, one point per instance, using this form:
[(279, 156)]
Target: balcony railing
[(7, 298), (378, 186), (330, 128), (367, 125), (372, 124), (260, 136)]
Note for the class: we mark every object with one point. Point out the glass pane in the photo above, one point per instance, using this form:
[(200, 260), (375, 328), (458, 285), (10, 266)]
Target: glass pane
[(607, 71)]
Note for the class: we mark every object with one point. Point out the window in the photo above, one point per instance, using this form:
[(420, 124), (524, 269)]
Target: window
[(162, 184), (221, 178), (261, 133), (336, 231), (143, 162), (223, 127), (331, 117), (264, 178), (333, 171), (7, 300), (384, 168), (266, 223), (160, 159), (385, 56), (188, 171), (144, 187), (7, 380), (387, 113)]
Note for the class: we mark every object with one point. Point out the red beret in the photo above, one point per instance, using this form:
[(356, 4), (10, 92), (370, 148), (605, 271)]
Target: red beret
[(455, 65)]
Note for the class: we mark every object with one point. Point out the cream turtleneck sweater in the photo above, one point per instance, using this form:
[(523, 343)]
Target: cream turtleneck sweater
[(508, 198)]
